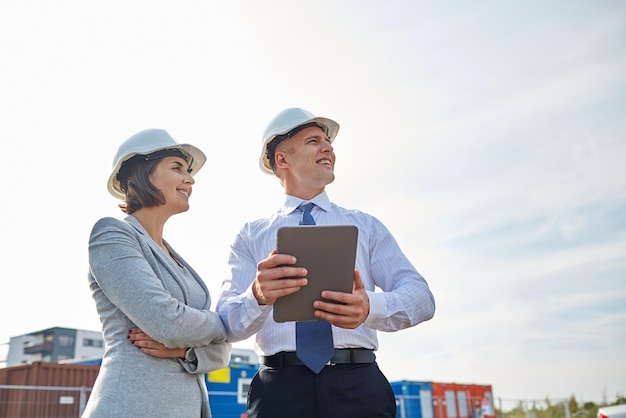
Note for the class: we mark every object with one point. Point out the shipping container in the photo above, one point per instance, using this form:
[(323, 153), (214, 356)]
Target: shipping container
[(228, 389), (459, 400), (482, 401), (444, 400), (413, 399), (45, 389)]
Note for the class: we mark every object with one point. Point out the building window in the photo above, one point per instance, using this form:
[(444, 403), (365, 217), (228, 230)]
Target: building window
[(90, 342), (66, 341)]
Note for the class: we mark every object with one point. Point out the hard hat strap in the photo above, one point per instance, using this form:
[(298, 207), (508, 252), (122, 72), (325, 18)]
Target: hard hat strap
[(168, 152)]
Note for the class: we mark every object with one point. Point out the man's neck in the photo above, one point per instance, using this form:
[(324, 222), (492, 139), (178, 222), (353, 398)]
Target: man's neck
[(308, 195)]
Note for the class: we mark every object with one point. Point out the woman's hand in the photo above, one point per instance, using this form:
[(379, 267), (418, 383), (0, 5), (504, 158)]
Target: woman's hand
[(150, 346)]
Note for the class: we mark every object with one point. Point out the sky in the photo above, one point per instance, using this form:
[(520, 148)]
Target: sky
[(489, 137)]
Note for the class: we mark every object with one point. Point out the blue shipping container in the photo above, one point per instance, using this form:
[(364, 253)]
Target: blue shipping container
[(228, 389), (413, 399)]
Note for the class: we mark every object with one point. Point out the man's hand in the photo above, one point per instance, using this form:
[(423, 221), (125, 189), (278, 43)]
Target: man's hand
[(150, 346), (352, 311), (271, 280)]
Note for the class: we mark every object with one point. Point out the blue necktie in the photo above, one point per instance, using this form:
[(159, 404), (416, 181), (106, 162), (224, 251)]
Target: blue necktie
[(314, 339)]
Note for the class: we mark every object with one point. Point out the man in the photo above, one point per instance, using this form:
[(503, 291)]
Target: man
[(297, 148)]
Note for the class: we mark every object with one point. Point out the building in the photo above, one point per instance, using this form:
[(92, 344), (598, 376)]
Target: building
[(54, 345), (68, 345)]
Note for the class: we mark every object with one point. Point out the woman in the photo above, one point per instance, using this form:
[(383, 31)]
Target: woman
[(160, 335)]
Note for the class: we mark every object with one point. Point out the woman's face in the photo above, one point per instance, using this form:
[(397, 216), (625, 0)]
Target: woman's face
[(170, 176)]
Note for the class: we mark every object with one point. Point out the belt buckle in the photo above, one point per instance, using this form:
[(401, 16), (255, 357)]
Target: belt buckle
[(330, 363)]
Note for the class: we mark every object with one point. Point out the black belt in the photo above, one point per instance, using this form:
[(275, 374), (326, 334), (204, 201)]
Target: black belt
[(341, 356)]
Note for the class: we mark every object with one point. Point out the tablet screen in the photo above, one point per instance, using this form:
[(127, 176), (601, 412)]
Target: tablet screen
[(328, 252)]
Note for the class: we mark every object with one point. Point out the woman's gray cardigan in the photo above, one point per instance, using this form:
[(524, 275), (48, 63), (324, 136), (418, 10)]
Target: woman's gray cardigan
[(135, 284)]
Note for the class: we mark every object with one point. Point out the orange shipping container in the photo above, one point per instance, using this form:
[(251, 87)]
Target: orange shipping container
[(458, 400), (45, 389)]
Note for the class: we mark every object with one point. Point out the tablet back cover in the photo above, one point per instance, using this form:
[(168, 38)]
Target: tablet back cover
[(328, 252)]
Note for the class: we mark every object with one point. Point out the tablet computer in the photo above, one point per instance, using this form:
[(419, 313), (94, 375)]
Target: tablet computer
[(328, 252)]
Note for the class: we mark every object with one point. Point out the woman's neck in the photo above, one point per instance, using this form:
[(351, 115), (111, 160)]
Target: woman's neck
[(153, 221)]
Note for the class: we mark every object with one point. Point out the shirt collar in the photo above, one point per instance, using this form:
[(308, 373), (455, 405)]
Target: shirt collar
[(291, 203)]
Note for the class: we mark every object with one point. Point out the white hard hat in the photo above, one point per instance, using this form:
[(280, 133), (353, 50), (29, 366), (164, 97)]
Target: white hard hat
[(286, 121), (146, 142)]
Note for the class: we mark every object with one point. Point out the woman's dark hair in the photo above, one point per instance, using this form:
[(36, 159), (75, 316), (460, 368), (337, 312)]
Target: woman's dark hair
[(135, 183)]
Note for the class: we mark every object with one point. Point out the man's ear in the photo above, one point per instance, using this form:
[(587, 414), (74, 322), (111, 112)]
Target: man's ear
[(280, 159)]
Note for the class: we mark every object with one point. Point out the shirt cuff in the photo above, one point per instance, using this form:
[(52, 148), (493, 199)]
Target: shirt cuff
[(378, 308), (252, 309)]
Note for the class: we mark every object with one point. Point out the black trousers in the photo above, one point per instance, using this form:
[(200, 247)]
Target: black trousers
[(340, 391)]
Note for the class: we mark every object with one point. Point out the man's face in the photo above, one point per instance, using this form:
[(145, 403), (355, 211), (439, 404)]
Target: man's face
[(309, 159)]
